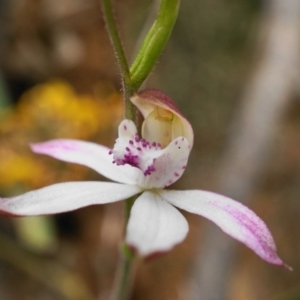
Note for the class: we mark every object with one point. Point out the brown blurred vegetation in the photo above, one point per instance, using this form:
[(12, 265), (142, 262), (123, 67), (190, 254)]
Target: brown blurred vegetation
[(62, 81)]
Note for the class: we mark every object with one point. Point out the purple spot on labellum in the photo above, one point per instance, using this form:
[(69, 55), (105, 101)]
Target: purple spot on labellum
[(110, 152), (176, 174), (149, 170), (134, 152)]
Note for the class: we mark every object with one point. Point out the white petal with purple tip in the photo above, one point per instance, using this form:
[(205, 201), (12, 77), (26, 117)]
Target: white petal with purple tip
[(232, 217), (154, 225), (67, 196), (94, 156)]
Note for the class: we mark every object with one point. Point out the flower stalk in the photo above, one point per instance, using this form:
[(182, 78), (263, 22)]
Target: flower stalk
[(122, 285), (124, 276), (132, 79), (130, 111)]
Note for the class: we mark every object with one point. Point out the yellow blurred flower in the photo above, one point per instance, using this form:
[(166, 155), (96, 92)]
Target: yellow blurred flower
[(15, 168), (48, 111), (56, 104)]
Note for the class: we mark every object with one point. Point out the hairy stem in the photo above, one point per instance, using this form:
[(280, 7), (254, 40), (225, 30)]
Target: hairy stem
[(122, 286), (130, 111)]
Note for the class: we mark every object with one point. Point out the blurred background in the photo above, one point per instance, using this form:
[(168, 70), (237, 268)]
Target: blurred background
[(232, 67)]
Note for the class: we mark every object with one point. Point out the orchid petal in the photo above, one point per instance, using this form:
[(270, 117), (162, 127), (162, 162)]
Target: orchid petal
[(154, 225), (163, 120), (64, 197), (232, 217), (94, 156)]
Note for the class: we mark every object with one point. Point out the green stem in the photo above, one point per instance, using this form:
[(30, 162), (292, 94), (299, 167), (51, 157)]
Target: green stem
[(124, 277), (122, 286), (125, 272), (126, 269), (130, 111)]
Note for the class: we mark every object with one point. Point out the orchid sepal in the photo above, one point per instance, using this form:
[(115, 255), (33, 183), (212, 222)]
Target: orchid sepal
[(230, 216), (66, 196)]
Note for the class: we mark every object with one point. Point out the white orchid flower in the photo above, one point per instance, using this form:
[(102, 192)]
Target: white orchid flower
[(145, 167)]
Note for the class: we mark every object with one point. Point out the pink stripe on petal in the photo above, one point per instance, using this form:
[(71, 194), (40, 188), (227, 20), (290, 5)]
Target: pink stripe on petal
[(232, 217), (96, 157)]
